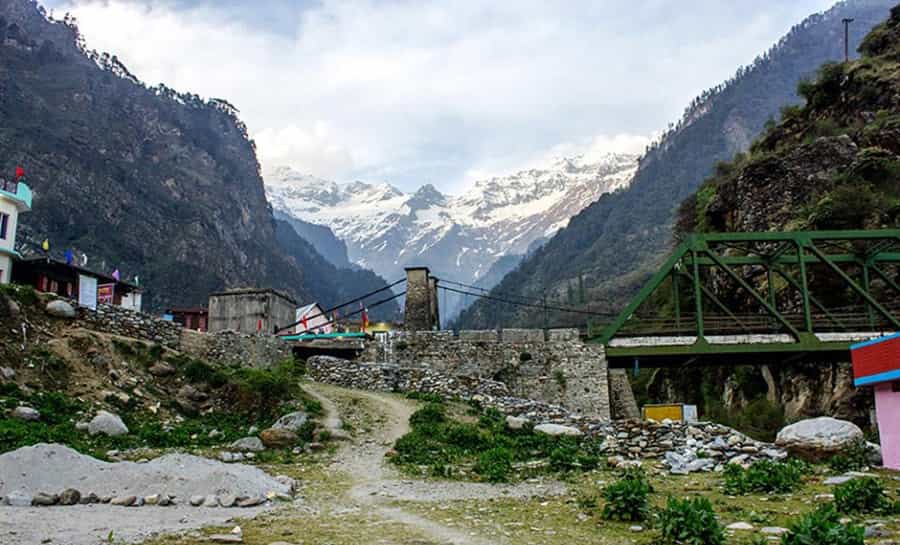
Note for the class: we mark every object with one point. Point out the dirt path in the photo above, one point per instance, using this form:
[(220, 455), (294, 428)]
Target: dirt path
[(376, 484)]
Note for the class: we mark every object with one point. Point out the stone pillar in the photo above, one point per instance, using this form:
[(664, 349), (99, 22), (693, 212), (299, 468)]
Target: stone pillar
[(435, 310), (418, 312), (622, 403)]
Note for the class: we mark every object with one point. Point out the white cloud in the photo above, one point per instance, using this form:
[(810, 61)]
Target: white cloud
[(415, 92)]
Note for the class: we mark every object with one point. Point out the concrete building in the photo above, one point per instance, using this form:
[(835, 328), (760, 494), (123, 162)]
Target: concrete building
[(15, 198), (251, 310), (421, 312), (876, 363)]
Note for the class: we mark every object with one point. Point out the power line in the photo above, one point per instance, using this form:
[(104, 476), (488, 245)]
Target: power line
[(354, 313)]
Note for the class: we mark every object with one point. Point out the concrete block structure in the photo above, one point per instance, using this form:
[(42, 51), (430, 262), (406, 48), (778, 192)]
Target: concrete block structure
[(876, 363), (251, 310), (15, 198), (421, 312)]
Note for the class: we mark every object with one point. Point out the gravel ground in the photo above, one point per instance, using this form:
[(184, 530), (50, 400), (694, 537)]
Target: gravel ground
[(91, 524), (52, 468)]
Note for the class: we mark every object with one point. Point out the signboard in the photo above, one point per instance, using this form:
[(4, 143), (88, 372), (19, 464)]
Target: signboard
[(877, 360), (106, 293), (87, 291)]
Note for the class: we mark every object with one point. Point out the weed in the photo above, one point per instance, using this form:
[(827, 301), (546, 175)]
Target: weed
[(854, 458), (765, 476), (690, 522), (823, 527), (495, 464), (864, 495), (627, 498)]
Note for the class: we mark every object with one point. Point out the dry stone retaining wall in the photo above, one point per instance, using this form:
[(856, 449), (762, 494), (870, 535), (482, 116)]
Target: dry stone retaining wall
[(555, 367), (224, 347)]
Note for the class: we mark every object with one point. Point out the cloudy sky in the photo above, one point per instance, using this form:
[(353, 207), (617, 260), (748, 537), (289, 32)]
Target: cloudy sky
[(415, 92)]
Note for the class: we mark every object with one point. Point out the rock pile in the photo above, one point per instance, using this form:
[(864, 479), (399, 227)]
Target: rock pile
[(32, 474)]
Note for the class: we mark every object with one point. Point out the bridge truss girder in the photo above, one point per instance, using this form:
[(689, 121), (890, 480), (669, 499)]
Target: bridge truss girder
[(772, 254)]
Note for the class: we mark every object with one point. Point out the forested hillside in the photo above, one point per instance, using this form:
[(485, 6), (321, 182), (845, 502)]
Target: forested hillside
[(158, 184), (614, 244)]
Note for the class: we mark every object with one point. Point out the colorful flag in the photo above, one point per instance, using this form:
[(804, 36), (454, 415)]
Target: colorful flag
[(20, 173), (70, 257), (305, 325), (365, 317), (116, 275), (46, 245)]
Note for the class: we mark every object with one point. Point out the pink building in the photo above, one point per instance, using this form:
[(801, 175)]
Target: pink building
[(876, 363)]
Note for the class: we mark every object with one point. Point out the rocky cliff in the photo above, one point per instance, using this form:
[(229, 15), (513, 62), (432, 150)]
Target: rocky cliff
[(158, 184), (833, 163)]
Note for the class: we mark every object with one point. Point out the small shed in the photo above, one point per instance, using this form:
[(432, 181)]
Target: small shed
[(316, 320), (251, 310), (876, 363), (196, 318)]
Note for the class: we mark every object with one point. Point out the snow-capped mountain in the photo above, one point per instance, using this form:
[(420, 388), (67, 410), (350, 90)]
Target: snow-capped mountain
[(458, 237)]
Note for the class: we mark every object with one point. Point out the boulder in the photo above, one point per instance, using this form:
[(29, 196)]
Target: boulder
[(516, 422), (248, 444), (7, 373), (278, 438), (557, 429), (161, 369), (875, 458), (17, 498), (817, 439), (107, 423), (44, 499), (60, 309), (191, 400), (69, 496), (26, 413), (123, 501), (291, 421)]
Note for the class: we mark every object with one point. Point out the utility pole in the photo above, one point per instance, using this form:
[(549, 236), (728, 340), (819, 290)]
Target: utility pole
[(847, 21)]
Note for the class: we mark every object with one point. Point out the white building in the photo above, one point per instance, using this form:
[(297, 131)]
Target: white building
[(15, 198)]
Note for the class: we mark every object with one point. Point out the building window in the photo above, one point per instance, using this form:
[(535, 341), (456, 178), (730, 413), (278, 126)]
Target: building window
[(895, 386), (4, 223)]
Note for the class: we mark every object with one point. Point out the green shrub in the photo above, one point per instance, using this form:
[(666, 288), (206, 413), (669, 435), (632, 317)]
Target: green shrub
[(854, 458), (425, 396), (495, 464), (197, 372), (431, 413), (627, 499), (864, 495), (690, 522), (823, 527), (765, 476)]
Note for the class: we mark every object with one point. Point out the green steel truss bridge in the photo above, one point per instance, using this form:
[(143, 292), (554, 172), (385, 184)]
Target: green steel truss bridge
[(761, 298)]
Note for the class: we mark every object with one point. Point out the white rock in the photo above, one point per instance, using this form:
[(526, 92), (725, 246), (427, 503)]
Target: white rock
[(107, 423), (557, 429), (17, 499), (211, 500), (196, 500), (773, 530), (26, 413), (60, 309), (740, 526), (8, 373), (516, 422), (819, 438), (248, 444), (291, 421)]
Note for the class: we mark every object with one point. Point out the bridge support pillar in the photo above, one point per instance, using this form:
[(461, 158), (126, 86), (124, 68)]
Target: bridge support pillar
[(622, 404), (421, 312)]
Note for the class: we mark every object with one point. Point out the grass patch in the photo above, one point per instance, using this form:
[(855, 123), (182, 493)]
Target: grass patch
[(765, 476), (443, 446)]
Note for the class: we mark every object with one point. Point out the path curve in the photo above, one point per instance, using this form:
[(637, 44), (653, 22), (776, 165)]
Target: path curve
[(376, 483)]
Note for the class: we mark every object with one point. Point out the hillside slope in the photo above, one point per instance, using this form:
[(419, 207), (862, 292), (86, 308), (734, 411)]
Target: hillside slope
[(160, 185), (615, 243)]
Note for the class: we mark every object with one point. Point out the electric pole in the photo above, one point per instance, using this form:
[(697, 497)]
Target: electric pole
[(847, 21)]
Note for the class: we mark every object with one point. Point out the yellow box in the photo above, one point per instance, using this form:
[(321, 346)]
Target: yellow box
[(674, 412)]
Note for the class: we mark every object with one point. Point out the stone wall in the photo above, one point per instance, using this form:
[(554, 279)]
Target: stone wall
[(128, 323), (555, 367), (235, 349), (621, 397), (224, 348)]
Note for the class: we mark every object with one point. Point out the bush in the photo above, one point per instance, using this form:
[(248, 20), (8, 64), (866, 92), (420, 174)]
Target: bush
[(627, 499), (823, 527), (855, 458), (495, 464), (764, 476), (690, 522), (431, 413), (861, 496)]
